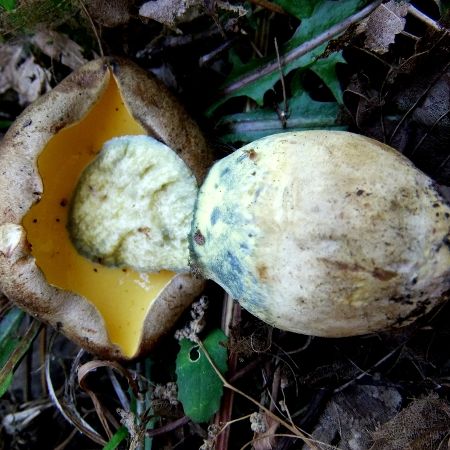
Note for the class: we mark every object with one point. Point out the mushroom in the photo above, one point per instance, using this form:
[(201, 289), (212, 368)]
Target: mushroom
[(115, 312), (324, 233)]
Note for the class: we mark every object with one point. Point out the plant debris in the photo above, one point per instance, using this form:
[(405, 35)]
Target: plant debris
[(383, 25), (20, 72)]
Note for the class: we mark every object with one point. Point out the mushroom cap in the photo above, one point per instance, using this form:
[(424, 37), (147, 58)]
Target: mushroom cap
[(21, 280), (324, 233)]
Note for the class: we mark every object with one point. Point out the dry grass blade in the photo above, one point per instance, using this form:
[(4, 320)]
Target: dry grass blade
[(67, 409), (296, 431), (91, 366)]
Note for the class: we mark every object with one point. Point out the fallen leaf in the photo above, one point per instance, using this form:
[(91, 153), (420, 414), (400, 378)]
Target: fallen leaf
[(60, 47), (383, 25), (110, 14), (172, 12), (266, 440), (19, 71)]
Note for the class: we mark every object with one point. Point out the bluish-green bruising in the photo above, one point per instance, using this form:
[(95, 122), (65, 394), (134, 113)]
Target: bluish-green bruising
[(215, 215)]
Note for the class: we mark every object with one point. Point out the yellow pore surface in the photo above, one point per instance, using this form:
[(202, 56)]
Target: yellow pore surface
[(122, 296)]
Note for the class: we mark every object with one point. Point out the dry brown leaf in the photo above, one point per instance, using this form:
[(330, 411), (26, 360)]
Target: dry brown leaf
[(266, 439), (110, 14), (172, 12), (19, 71), (383, 25), (423, 425), (60, 47)]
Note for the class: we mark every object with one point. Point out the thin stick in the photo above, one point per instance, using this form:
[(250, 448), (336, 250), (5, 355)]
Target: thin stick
[(231, 317), (300, 50), (270, 6), (169, 427), (269, 413), (416, 103), (97, 37), (424, 18), (428, 132), (284, 114)]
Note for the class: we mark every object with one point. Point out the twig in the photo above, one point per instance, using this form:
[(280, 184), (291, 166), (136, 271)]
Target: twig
[(231, 318), (97, 37), (168, 427), (428, 132), (284, 114), (367, 372), (300, 50), (416, 103), (260, 438), (269, 413), (424, 18), (269, 5)]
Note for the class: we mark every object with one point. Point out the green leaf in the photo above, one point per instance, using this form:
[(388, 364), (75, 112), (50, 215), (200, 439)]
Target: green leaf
[(304, 114), (5, 383), (117, 438), (5, 123), (10, 323), (325, 15), (444, 7), (299, 8), (199, 387), (14, 352), (9, 5), (325, 68), (9, 326)]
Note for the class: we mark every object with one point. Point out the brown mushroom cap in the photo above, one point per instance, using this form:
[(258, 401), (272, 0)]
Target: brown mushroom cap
[(21, 280)]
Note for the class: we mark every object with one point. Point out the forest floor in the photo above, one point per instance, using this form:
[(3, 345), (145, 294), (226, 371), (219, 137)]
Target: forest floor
[(244, 70)]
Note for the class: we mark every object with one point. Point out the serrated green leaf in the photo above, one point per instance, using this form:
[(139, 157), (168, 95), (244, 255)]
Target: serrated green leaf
[(325, 15), (8, 5), (199, 387), (325, 68), (299, 8), (304, 114)]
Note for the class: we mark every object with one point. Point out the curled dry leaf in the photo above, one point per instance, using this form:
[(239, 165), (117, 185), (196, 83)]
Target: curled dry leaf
[(60, 47), (172, 12), (383, 25), (19, 71)]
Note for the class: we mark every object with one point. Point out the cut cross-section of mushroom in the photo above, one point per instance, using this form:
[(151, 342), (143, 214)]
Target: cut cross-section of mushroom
[(115, 312)]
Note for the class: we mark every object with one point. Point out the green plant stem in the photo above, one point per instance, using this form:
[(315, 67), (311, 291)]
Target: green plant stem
[(301, 50)]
